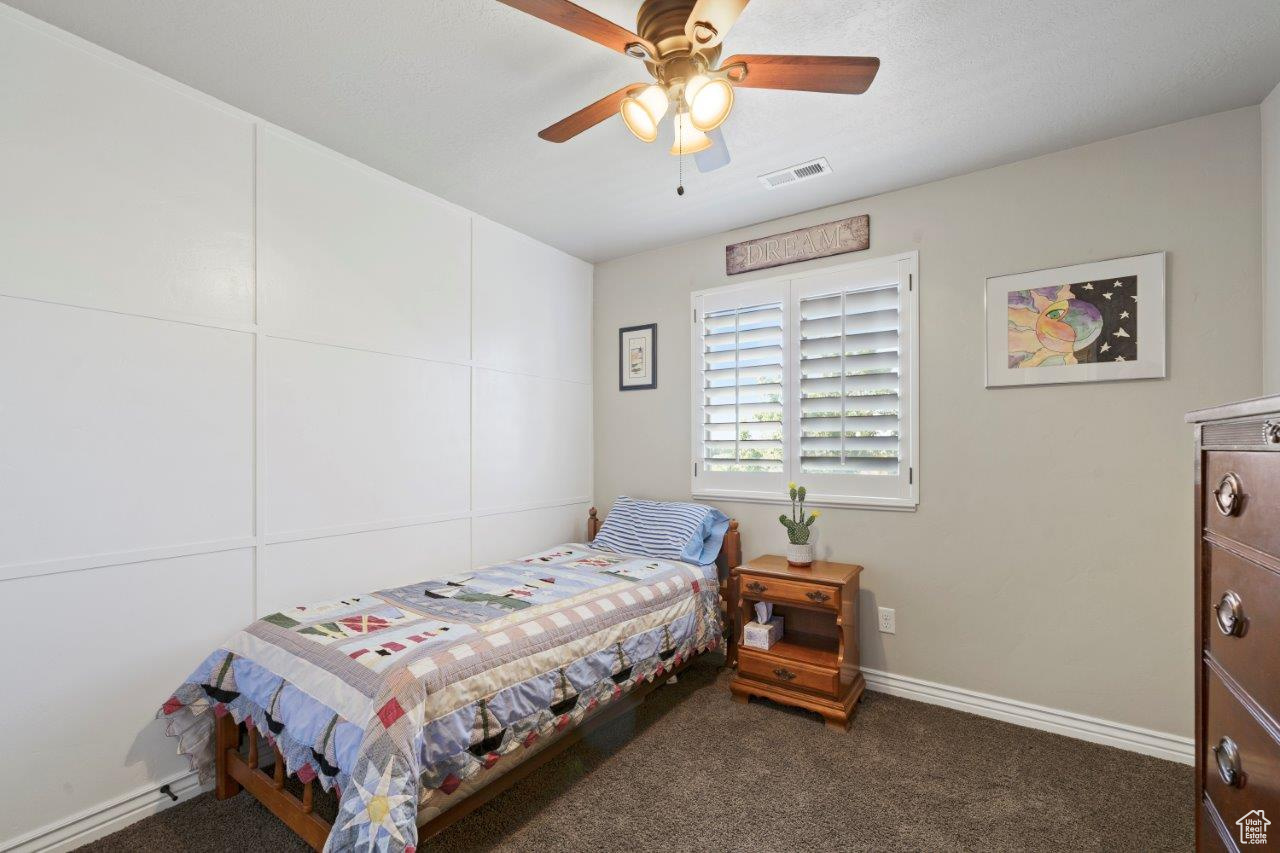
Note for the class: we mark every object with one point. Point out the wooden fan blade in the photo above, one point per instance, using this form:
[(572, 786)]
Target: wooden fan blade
[(710, 20), (588, 117), (578, 20), (843, 75)]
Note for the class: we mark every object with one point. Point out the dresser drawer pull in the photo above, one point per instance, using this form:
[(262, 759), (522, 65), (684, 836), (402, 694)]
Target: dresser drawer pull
[(1227, 754), (817, 595), (1230, 614), (1272, 430), (1228, 494), (784, 674), (756, 587)]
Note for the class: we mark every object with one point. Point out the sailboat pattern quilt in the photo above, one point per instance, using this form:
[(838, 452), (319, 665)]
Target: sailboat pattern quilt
[(395, 698)]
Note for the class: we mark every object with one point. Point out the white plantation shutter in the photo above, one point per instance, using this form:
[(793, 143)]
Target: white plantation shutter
[(809, 379), (740, 375), (849, 414)]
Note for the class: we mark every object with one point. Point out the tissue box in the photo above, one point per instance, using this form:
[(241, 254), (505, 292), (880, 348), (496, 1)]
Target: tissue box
[(757, 636)]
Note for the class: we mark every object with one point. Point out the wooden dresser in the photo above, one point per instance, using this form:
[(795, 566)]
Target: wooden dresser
[(1237, 507), (815, 664)]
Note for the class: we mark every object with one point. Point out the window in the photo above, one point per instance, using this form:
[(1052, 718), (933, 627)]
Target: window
[(809, 379)]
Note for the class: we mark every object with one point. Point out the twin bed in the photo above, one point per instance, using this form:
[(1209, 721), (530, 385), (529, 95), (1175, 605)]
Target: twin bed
[(416, 705)]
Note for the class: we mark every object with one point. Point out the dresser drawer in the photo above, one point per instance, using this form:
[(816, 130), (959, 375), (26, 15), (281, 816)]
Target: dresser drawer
[(792, 591), (1242, 497), (1237, 745), (787, 673), (1213, 835), (1243, 625)]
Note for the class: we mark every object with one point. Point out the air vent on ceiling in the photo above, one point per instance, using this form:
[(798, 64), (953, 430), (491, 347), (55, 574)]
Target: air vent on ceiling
[(795, 174)]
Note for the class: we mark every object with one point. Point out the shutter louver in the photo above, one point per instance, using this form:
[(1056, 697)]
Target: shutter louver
[(742, 381), (849, 388)]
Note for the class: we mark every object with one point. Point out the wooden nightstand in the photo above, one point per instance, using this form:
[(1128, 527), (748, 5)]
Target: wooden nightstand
[(815, 664)]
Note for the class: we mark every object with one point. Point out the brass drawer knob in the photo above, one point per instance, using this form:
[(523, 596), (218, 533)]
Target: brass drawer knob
[(756, 587), (1229, 612), (1228, 495), (784, 674), (817, 595), (1227, 755)]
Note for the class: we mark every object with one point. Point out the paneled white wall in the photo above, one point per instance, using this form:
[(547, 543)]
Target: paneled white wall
[(105, 447), (499, 535), (535, 327), (354, 437), (150, 187), (358, 259), (93, 648), (237, 372), (326, 567), (529, 433)]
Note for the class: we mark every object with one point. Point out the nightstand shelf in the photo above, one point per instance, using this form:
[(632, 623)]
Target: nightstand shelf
[(806, 648), (815, 663)]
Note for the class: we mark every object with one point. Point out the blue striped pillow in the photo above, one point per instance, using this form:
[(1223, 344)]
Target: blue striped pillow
[(674, 531)]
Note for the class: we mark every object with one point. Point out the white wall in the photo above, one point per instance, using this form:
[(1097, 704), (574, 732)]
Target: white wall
[(1050, 559), (237, 371), (1271, 240)]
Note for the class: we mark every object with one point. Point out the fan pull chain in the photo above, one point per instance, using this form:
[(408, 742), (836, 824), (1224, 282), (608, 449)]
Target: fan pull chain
[(680, 157)]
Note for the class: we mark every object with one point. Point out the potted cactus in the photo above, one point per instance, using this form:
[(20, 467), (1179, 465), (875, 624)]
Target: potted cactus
[(799, 528)]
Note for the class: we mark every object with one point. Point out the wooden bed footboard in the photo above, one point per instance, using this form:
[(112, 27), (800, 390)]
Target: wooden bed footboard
[(236, 771)]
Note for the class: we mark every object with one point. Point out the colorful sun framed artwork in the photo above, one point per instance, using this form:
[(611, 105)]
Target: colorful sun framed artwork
[(1095, 322)]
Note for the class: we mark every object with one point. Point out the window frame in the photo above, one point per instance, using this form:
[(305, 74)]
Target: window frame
[(901, 492)]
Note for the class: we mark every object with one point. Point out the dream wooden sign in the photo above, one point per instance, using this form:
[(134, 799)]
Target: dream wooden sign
[(804, 244)]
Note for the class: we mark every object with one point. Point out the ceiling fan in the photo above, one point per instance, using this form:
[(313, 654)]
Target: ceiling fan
[(680, 43)]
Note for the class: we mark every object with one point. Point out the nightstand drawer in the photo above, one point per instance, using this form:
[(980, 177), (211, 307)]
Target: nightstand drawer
[(792, 591), (788, 673)]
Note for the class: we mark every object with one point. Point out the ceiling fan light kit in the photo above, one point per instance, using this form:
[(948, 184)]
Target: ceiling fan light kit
[(703, 97), (709, 101), (643, 113), (689, 139), (680, 42)]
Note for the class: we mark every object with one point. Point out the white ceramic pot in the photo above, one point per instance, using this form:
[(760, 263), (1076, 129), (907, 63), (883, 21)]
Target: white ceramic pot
[(800, 555)]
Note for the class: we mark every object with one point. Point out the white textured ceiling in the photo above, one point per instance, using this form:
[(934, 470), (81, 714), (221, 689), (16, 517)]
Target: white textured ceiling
[(449, 94)]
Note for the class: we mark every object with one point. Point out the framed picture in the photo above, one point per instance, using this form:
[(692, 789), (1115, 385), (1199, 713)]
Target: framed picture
[(638, 357), (1095, 322)]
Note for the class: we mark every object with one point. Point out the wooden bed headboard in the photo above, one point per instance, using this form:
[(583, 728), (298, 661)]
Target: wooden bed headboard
[(730, 551)]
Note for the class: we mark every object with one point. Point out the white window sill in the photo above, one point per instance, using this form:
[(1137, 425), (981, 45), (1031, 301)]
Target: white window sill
[(820, 501)]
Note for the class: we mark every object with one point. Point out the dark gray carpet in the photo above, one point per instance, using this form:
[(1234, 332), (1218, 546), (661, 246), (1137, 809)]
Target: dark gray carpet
[(695, 771)]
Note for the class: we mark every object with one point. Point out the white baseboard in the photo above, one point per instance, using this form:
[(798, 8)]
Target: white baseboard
[(101, 820), (1133, 738)]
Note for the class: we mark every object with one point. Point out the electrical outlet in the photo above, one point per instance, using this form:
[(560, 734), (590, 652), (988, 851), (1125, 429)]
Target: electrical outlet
[(888, 622)]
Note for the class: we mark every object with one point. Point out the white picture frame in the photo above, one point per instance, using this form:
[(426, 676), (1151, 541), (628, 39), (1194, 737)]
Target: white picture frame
[(1036, 323)]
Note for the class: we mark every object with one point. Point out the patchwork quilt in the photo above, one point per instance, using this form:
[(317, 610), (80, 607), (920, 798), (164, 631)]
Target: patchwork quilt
[(396, 698)]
